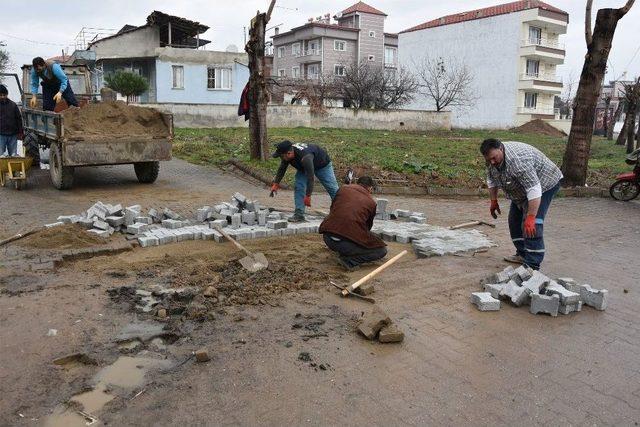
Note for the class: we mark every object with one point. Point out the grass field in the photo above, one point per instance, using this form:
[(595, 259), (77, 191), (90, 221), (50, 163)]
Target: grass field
[(439, 158)]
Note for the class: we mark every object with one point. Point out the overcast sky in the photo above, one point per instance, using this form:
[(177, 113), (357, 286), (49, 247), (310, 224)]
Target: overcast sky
[(44, 28)]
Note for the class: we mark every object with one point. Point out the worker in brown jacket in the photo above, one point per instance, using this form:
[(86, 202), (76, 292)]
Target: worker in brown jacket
[(347, 229)]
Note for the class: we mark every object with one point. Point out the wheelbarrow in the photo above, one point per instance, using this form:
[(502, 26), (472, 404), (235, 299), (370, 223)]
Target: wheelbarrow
[(14, 170)]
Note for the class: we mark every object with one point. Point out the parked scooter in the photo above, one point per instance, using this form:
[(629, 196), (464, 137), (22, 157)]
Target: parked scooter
[(627, 185)]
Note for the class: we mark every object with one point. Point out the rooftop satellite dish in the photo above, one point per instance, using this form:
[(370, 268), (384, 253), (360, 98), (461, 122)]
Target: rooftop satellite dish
[(232, 48)]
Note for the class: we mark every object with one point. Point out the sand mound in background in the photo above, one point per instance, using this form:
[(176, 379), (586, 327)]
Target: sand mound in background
[(113, 119), (539, 127)]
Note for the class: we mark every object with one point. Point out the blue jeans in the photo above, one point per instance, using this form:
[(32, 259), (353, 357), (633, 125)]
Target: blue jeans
[(326, 177), (530, 248), (10, 144)]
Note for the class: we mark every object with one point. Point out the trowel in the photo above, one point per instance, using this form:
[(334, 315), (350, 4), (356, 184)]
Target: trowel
[(252, 262)]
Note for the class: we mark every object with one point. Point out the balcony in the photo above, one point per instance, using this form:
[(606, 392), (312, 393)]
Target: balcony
[(552, 44), (542, 49), (309, 55), (538, 111), (540, 82)]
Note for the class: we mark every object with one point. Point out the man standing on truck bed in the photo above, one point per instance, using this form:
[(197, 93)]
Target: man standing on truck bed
[(55, 85)]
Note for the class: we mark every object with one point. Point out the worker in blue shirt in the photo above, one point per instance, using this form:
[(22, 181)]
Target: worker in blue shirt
[(55, 85)]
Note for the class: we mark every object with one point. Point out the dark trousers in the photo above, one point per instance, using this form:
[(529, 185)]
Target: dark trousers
[(351, 253), (530, 248), (48, 91)]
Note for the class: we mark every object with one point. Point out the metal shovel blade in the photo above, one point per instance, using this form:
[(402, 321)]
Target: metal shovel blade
[(254, 263)]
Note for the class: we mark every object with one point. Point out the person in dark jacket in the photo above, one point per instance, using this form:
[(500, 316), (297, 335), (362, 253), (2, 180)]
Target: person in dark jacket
[(310, 160), (10, 124), (347, 229)]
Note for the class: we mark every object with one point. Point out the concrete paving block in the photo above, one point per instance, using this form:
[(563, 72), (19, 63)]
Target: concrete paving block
[(155, 215), (197, 233), (596, 298), (137, 228), (277, 224), (250, 205), (101, 233), (388, 236), (218, 223), (236, 220), (248, 217), (243, 234), (566, 296), (146, 241), (390, 334), (403, 238), (67, 219), (202, 214), (115, 221), (548, 304), (381, 206), (240, 198), (417, 219), (144, 220), (289, 231), (271, 232), (219, 207), (224, 213), (402, 213), (536, 283), (130, 216), (208, 234), (169, 214), (372, 322), (274, 217), (171, 224), (166, 239), (101, 225), (485, 301), (86, 223), (566, 309), (494, 289), (115, 210), (525, 273), (569, 283), (262, 218), (136, 208), (518, 295), (260, 232)]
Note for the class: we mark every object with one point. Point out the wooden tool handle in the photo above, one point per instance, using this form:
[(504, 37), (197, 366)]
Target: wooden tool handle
[(466, 224), (374, 273), (20, 236), (232, 240)]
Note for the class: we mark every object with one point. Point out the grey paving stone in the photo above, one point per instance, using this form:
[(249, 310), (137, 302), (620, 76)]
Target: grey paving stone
[(277, 224), (144, 220), (485, 301), (548, 304), (596, 298), (146, 241), (137, 228), (569, 283), (115, 221), (536, 283), (101, 225), (101, 233), (494, 289), (171, 224), (236, 220), (516, 294), (566, 309), (218, 223), (566, 296)]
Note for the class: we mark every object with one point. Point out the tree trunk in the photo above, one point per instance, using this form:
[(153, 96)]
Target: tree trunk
[(614, 120), (605, 117), (258, 94), (576, 156), (631, 127), (622, 136)]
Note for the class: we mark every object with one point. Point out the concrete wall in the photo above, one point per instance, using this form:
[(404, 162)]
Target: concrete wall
[(489, 47), (134, 44), (217, 116)]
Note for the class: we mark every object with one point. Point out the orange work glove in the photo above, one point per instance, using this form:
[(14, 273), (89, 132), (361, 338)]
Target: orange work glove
[(274, 189), (530, 226), (307, 201)]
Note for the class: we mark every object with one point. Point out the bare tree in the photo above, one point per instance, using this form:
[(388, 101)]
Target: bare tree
[(315, 91), (372, 86), (614, 120), (631, 99), (258, 94), (605, 115), (576, 156), (568, 94), (4, 58), (447, 83)]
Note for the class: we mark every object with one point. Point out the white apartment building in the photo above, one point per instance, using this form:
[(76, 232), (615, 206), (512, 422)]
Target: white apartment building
[(512, 51)]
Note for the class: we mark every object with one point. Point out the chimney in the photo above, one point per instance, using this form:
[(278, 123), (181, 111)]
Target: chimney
[(277, 30), (310, 20)]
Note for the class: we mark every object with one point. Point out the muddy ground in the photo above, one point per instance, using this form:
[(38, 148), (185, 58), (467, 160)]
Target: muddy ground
[(294, 358)]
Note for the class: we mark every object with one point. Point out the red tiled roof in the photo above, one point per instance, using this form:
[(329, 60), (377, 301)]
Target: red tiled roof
[(364, 8), (486, 12)]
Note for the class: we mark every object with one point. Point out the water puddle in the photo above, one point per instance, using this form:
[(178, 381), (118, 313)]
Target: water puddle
[(126, 373)]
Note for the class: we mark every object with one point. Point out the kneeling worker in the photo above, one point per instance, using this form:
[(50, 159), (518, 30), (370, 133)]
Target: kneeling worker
[(347, 229), (309, 160)]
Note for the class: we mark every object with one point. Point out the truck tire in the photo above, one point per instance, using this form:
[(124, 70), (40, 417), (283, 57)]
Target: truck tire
[(147, 172), (61, 176), (31, 146)]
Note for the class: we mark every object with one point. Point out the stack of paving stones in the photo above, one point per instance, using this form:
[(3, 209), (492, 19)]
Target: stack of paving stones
[(524, 286), (383, 213)]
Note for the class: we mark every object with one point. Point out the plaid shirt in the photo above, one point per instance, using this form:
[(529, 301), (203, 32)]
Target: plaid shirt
[(524, 168)]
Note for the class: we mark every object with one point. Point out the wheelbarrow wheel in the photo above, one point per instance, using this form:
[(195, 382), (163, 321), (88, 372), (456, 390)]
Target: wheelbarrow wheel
[(147, 172), (61, 176)]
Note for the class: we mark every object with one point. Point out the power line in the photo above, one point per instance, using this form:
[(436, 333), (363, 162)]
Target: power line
[(31, 41)]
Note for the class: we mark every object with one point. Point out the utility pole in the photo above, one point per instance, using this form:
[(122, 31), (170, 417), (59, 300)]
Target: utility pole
[(258, 93)]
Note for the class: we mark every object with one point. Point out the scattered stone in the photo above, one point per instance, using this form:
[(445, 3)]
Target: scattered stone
[(202, 355), (372, 322), (485, 301), (494, 289), (517, 294), (366, 289), (536, 283), (525, 273), (162, 313), (210, 292), (548, 304), (304, 356), (391, 334), (566, 296), (593, 297)]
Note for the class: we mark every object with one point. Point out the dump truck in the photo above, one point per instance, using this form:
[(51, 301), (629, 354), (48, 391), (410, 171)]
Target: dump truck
[(97, 134)]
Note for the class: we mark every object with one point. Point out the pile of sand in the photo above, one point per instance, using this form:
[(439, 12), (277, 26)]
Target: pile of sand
[(539, 127), (70, 236), (113, 119)]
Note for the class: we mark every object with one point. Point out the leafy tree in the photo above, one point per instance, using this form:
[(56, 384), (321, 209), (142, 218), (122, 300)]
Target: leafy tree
[(127, 84)]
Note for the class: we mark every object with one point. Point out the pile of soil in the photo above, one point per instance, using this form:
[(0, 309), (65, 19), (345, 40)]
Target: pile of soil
[(113, 119), (69, 236), (539, 127)]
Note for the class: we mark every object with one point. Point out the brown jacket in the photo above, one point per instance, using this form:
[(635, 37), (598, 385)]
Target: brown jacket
[(351, 216)]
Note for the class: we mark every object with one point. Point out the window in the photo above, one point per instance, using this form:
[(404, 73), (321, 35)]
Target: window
[(313, 71), (295, 72), (281, 52), (530, 100), (339, 70), (218, 78), (533, 67), (340, 45), (371, 58), (282, 73), (372, 34), (535, 35), (389, 55), (178, 77), (295, 49)]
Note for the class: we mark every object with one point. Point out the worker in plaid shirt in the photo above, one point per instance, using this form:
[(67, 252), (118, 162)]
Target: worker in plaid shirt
[(530, 180)]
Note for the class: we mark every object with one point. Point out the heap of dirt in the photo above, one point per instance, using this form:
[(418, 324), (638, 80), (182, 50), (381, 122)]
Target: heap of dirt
[(69, 236), (113, 119), (539, 127)]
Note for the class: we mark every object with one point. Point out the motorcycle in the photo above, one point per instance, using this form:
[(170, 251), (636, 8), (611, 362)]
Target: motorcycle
[(627, 185)]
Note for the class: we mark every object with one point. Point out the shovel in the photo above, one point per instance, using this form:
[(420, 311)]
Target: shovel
[(252, 262)]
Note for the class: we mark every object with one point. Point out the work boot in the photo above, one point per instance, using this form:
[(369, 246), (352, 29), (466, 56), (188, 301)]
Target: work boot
[(347, 266), (297, 217), (515, 259)]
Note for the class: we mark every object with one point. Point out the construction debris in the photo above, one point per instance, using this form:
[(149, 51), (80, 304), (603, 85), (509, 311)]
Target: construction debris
[(377, 324), (524, 286)]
